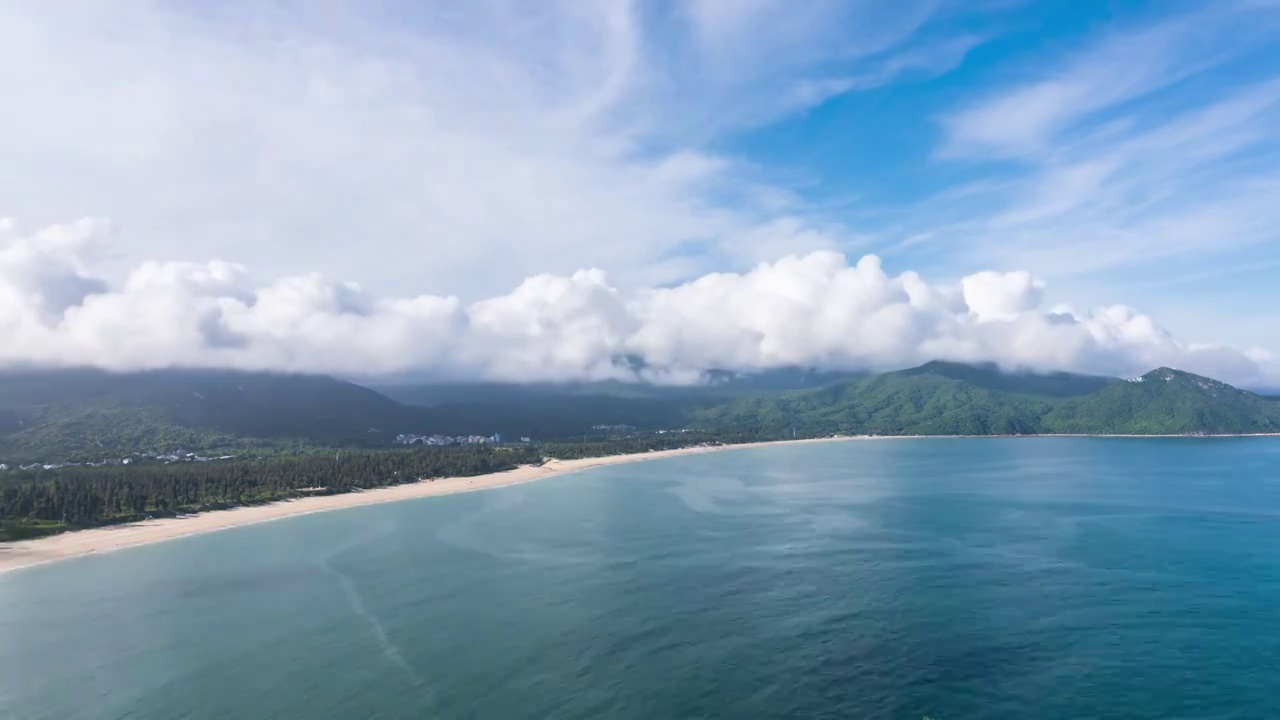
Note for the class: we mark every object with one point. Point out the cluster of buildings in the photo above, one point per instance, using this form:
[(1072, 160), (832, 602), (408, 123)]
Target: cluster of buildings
[(411, 439), (133, 458), (179, 456)]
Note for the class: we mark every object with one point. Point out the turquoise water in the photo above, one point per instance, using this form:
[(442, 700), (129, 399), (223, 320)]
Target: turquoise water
[(1021, 578)]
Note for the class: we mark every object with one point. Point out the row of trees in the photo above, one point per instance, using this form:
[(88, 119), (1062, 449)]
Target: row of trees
[(601, 446), (77, 497)]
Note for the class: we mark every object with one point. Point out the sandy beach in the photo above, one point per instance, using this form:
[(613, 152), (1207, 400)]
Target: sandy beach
[(105, 539)]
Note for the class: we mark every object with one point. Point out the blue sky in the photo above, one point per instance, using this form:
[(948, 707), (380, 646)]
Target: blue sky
[(1116, 158), (1167, 122)]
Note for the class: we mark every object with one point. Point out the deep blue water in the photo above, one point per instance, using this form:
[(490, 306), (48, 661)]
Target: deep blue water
[(1019, 578)]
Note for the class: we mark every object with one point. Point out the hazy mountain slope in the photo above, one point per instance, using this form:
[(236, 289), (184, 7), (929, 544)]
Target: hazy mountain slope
[(53, 412), (719, 385), (1057, 384), (555, 410), (82, 414), (553, 416)]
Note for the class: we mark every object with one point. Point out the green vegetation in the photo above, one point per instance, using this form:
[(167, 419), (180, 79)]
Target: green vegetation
[(80, 414), (46, 502), (54, 416), (278, 426), (949, 399), (78, 497), (1167, 402), (645, 442)]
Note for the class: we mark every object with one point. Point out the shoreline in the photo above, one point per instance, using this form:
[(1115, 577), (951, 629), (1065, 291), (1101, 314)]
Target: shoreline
[(91, 541)]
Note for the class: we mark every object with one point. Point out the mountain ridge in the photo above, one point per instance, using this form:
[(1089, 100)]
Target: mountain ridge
[(88, 410), (955, 399), (83, 413)]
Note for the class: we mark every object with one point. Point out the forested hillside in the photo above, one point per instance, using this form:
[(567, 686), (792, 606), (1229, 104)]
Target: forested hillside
[(951, 399), (277, 423), (566, 410), (76, 415), (1167, 401), (82, 413)]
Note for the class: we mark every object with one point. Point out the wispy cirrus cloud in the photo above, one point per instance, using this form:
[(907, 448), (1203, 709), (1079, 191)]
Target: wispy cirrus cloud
[(1099, 168), (411, 146), (925, 60), (1028, 118), (309, 146)]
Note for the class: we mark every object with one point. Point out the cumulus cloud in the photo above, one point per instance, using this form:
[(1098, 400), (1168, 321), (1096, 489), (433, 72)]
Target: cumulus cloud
[(816, 310), (1001, 296)]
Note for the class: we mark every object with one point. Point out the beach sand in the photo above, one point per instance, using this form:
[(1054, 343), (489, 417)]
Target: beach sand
[(66, 545)]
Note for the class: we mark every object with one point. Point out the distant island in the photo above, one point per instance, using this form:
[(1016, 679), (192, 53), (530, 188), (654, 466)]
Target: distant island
[(82, 448)]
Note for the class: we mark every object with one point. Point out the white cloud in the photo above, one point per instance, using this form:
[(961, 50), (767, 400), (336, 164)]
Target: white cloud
[(815, 310), (933, 58), (754, 61), (992, 296), (465, 146)]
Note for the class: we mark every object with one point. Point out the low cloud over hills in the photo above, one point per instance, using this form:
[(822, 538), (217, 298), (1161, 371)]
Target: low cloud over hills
[(62, 303)]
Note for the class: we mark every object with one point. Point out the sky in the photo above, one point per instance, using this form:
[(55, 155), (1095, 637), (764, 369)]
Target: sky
[(549, 191)]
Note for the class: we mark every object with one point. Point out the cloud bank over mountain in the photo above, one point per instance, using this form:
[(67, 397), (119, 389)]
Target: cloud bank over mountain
[(58, 307), (1122, 152)]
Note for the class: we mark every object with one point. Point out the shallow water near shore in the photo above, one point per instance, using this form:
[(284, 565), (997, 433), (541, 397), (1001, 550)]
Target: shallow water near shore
[(1045, 578)]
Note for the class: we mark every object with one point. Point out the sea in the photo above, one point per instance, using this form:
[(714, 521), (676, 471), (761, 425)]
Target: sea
[(944, 578)]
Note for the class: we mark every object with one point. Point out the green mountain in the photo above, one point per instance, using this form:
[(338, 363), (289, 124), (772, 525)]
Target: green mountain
[(63, 414), (989, 376), (934, 399), (54, 415), (565, 410), (952, 399), (719, 384), (1167, 401)]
